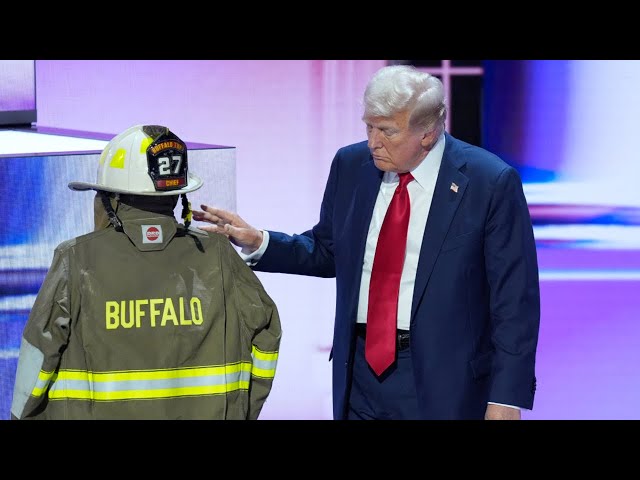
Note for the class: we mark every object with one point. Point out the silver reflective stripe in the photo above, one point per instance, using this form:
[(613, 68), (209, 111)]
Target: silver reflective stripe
[(264, 363), (146, 384), (29, 364), (160, 384)]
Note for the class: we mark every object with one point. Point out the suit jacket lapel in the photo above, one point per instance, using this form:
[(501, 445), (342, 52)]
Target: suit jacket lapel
[(443, 208)]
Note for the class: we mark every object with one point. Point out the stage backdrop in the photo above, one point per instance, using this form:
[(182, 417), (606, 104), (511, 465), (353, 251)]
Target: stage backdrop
[(568, 126)]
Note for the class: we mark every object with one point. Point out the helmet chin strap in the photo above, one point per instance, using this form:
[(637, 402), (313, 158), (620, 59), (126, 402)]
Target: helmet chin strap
[(113, 218), (186, 216), (186, 211)]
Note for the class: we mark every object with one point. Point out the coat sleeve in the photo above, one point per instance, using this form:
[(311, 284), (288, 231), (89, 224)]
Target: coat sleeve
[(44, 338), (262, 321), (265, 347), (512, 270)]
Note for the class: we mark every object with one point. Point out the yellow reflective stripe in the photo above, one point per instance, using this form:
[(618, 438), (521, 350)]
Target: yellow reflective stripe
[(263, 373), (44, 378), (145, 384), (145, 144), (264, 363), (117, 161), (260, 355)]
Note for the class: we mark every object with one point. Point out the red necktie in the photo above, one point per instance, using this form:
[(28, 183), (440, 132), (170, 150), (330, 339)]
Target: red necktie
[(382, 316)]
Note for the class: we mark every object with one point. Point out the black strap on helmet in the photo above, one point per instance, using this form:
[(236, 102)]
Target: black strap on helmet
[(186, 216), (186, 210), (113, 218)]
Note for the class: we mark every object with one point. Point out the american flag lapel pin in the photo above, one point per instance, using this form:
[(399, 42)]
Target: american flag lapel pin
[(454, 187)]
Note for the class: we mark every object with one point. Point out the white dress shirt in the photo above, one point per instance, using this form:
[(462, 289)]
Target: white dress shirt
[(420, 196)]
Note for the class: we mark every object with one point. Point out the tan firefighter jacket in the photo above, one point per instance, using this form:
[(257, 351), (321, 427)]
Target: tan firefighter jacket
[(149, 323)]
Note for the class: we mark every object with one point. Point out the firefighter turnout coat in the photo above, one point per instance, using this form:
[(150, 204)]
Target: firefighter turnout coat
[(156, 322)]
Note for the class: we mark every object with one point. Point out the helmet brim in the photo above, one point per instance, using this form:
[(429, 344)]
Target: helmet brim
[(193, 184)]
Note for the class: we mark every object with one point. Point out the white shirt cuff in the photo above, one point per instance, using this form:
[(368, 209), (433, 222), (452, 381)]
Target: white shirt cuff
[(252, 259), (505, 405)]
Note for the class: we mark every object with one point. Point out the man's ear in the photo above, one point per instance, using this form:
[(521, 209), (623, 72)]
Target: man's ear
[(429, 139)]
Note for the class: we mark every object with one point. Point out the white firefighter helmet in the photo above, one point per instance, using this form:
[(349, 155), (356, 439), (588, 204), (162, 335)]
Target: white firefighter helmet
[(144, 160)]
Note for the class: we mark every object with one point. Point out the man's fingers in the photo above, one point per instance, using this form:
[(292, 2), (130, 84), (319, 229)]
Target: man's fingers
[(219, 214), (209, 228), (207, 217), (227, 229), (214, 229)]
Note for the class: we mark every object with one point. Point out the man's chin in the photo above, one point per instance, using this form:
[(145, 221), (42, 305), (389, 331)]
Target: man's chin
[(384, 166)]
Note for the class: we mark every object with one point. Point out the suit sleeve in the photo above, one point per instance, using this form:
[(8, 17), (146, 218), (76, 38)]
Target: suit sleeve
[(44, 338), (310, 253), (512, 271)]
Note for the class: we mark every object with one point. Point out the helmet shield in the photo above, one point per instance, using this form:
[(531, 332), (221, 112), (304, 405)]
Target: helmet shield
[(166, 159)]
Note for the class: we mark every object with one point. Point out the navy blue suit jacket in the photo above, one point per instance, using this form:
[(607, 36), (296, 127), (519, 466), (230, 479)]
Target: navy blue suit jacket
[(476, 301)]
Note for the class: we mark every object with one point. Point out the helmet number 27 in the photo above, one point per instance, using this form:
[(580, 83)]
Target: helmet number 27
[(164, 165)]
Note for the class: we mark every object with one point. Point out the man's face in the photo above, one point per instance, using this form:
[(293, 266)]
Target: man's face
[(394, 146)]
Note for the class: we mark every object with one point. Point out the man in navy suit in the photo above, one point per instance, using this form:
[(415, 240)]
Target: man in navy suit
[(468, 303)]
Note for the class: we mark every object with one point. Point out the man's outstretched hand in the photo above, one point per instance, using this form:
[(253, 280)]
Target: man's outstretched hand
[(231, 225)]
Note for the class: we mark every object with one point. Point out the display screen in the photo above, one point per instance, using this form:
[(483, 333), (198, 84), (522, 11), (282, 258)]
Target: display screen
[(17, 92)]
